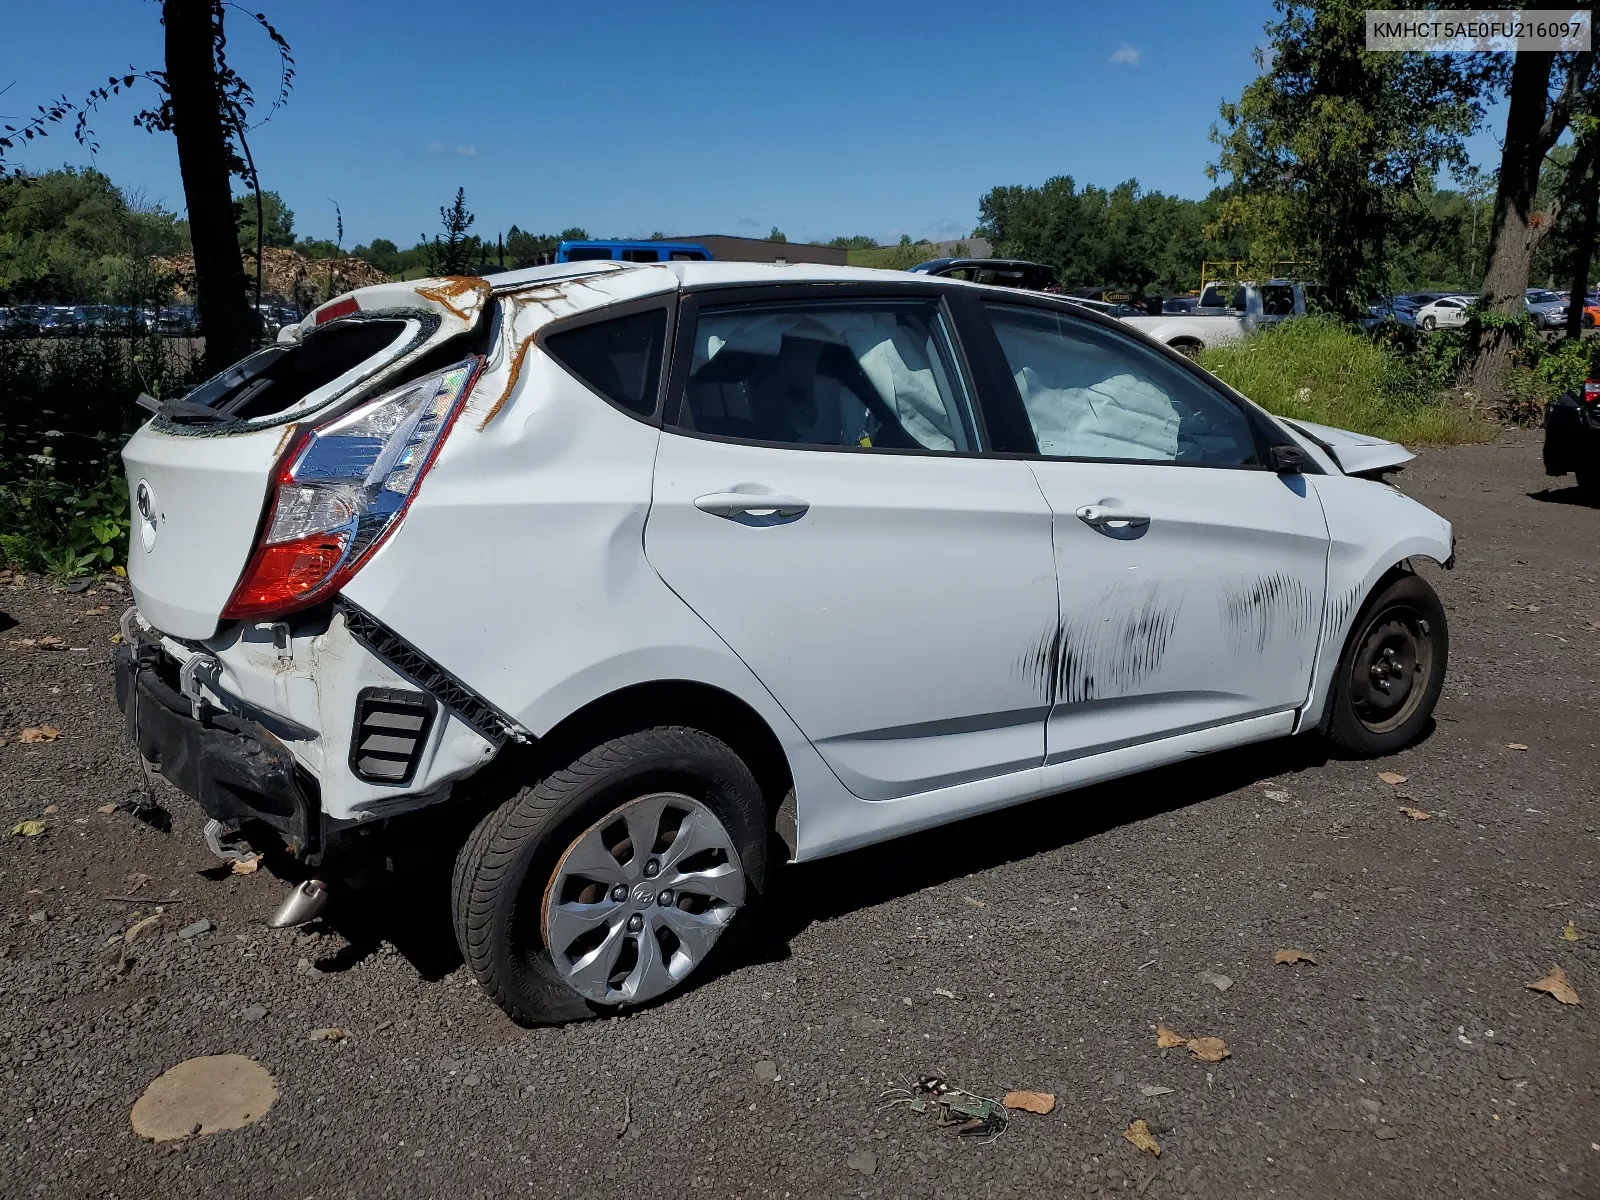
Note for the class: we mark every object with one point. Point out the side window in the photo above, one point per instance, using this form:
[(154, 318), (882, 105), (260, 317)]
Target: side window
[(620, 358), (638, 255), (868, 374), (688, 256), (1090, 393)]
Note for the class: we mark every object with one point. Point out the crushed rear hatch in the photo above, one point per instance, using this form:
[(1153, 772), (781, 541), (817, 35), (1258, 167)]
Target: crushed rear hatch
[(199, 470)]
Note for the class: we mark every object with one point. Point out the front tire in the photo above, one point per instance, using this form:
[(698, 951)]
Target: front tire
[(1392, 670), (1429, 323), (612, 882)]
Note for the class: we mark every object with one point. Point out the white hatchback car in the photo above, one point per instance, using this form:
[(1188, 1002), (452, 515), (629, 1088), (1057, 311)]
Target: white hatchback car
[(1448, 312), (651, 570)]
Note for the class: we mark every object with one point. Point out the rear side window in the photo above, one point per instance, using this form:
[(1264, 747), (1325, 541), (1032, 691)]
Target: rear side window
[(862, 375), (641, 256), (586, 253), (619, 358)]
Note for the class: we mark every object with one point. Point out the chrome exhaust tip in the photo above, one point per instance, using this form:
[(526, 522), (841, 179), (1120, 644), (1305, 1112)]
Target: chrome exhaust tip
[(304, 903)]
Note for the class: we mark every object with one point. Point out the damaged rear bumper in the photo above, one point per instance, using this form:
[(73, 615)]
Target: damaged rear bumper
[(232, 767)]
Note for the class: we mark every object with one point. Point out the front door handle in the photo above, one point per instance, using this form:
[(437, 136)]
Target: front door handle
[(1101, 515), (747, 507)]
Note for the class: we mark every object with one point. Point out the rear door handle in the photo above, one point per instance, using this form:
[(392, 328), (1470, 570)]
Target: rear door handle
[(736, 506), (1100, 515)]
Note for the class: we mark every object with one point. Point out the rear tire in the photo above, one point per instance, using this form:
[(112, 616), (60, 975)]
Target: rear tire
[(1429, 323), (1392, 670), (557, 864)]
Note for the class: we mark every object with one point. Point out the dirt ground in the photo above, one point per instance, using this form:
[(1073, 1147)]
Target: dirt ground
[(1037, 948)]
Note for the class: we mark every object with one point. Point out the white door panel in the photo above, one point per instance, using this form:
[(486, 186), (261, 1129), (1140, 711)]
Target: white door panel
[(1207, 612), (889, 602)]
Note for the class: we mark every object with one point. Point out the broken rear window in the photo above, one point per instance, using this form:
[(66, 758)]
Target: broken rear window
[(277, 377)]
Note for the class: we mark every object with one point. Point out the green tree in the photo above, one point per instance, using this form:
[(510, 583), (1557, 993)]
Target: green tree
[(453, 253), (1330, 148), (205, 104), (71, 235), (277, 228), (776, 235), (1535, 121), (858, 241), (382, 254)]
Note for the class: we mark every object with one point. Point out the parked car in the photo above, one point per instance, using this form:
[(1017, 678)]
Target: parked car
[(634, 252), (180, 320), (1448, 312), (998, 272), (1572, 438), (1547, 309), (1225, 313), (659, 567)]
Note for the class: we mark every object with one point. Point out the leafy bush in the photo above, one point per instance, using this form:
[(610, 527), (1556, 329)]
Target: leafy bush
[(66, 407), (1317, 369)]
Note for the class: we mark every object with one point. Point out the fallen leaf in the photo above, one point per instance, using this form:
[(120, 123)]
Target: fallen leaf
[(1572, 934), (945, 992), (99, 610), (120, 572), (1515, 746), (51, 809), (1293, 956), (106, 808), (1557, 984), (136, 880), (1139, 1136), (39, 733), (975, 903), (200, 1096), (1034, 1102), (247, 866), (1416, 814), (1156, 1089), (51, 642), (329, 1035), (1278, 795), (1166, 1039), (1392, 778), (140, 927), (27, 829), (1209, 1049)]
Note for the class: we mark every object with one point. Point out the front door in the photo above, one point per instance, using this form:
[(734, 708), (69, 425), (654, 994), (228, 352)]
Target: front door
[(819, 502), (1191, 576)]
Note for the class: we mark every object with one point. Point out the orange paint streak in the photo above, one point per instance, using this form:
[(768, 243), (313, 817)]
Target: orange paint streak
[(453, 288), (511, 381)]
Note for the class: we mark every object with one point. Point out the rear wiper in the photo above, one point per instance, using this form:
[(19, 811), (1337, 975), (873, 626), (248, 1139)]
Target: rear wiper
[(181, 410)]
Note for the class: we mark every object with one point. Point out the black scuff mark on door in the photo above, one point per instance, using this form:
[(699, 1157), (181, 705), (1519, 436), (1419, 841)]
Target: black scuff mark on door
[(1109, 655), (1038, 662), (1257, 611)]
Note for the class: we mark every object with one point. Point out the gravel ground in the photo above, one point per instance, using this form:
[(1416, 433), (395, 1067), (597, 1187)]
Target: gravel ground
[(1037, 948)]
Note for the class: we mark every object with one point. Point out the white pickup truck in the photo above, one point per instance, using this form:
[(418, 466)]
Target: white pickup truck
[(1226, 313)]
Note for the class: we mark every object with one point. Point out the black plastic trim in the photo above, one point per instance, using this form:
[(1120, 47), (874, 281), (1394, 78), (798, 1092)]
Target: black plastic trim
[(428, 675), (375, 699)]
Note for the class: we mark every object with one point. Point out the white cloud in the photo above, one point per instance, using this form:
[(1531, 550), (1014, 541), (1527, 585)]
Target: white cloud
[(1127, 55), (447, 150)]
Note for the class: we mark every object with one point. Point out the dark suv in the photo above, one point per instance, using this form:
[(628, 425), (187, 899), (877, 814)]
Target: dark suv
[(1572, 438)]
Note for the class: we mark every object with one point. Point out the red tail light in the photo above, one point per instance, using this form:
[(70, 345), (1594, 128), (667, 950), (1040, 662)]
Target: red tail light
[(1591, 391), (343, 488)]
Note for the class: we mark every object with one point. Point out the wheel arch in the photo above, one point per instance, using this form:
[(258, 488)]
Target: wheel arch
[(688, 702)]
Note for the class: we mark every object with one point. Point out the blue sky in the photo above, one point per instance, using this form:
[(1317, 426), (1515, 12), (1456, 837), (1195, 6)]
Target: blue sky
[(822, 119)]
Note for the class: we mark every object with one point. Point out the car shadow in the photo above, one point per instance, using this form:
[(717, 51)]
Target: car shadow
[(1563, 495), (409, 909), (805, 893)]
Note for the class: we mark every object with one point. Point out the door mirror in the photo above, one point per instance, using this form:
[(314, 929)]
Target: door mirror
[(1286, 460)]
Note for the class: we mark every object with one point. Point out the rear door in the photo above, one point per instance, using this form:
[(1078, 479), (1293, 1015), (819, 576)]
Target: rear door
[(820, 501), (1191, 576)]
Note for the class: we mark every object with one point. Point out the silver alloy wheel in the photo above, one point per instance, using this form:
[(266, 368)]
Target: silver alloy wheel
[(640, 897)]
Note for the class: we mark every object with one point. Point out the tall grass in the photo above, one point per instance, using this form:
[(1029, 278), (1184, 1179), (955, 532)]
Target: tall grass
[(66, 407), (1315, 369)]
